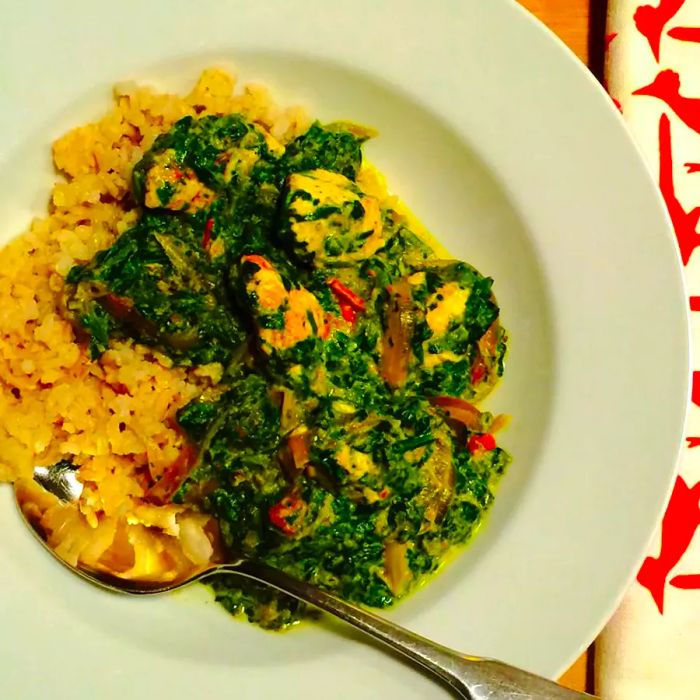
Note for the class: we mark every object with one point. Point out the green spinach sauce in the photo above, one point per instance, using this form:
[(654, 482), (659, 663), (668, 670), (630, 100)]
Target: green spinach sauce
[(341, 447)]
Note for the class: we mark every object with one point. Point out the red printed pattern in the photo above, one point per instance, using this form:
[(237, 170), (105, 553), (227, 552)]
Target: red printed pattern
[(667, 88), (651, 21), (685, 223), (682, 517), (690, 34), (680, 522)]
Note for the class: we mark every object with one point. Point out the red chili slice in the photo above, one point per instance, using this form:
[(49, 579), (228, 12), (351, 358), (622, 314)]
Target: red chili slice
[(257, 260), (206, 238), (482, 443), (350, 303), (478, 372), (280, 513), (347, 312)]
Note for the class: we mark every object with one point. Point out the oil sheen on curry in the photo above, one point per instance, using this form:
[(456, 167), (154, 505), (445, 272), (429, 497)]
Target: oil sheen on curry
[(344, 444)]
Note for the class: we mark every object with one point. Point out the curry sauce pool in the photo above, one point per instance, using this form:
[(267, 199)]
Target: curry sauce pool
[(341, 439)]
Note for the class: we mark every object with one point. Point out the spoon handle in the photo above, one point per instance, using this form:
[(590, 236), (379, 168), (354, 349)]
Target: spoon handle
[(472, 678)]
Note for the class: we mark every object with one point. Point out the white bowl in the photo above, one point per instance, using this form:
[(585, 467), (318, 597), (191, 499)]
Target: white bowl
[(509, 151)]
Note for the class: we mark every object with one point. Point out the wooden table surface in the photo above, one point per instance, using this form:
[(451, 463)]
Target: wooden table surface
[(567, 18), (578, 23)]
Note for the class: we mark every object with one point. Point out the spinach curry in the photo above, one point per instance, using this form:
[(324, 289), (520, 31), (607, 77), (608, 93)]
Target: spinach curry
[(343, 444)]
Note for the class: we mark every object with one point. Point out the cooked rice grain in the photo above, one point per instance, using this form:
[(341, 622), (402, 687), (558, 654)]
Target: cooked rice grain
[(114, 417)]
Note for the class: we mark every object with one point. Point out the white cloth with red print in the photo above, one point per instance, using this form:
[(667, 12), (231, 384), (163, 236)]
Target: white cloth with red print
[(651, 647)]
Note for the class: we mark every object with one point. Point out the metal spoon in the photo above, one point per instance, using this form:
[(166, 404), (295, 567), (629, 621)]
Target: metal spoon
[(472, 678)]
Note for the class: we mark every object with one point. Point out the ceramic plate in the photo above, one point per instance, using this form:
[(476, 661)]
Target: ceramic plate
[(505, 147)]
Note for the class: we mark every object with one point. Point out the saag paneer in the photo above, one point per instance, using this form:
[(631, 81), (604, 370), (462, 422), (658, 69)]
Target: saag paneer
[(341, 444)]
